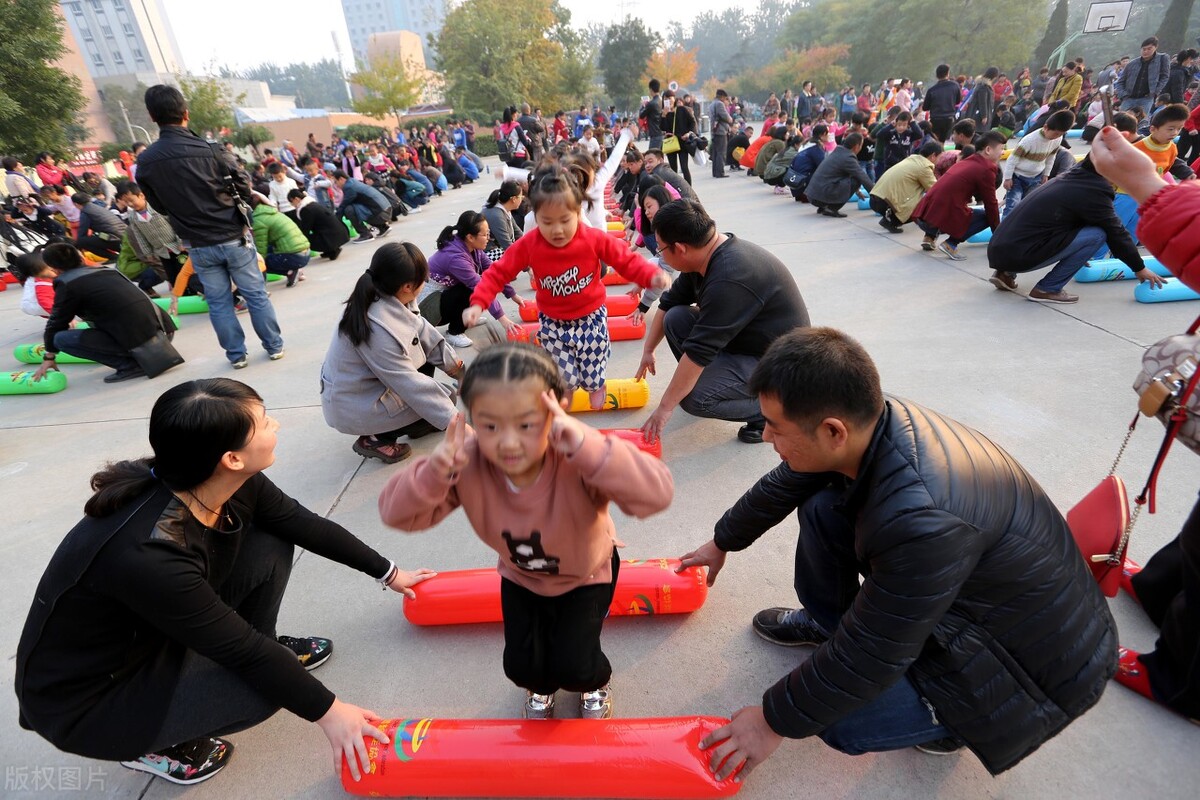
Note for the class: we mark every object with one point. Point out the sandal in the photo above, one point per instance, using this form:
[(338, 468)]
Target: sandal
[(387, 452)]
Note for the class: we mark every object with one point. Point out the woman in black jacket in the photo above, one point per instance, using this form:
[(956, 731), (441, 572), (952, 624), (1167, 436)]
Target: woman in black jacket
[(680, 121), (153, 628)]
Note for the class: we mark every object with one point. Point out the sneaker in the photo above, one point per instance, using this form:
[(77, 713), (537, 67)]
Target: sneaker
[(415, 210), (384, 230), (751, 432), (291, 278), (927, 244), (780, 190), (597, 704), (332, 255), (187, 763), (387, 452), (459, 340), (313, 651), (241, 363), (788, 627), (125, 375), (241, 307), (951, 252), (365, 237), (539, 706), (1039, 296), (276, 355), (883, 223), (421, 427), (940, 747), (1006, 281)]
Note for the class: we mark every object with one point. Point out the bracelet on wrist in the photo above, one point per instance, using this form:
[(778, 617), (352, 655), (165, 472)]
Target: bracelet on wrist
[(388, 576), (49, 356)]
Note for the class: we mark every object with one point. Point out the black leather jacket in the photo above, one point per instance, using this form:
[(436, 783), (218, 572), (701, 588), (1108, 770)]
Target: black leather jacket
[(973, 587), (190, 181)]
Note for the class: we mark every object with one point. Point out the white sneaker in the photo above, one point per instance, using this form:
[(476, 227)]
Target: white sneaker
[(459, 340), (597, 704), (539, 706)]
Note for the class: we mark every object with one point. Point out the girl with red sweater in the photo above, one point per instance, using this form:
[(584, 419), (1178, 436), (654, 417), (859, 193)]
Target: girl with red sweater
[(565, 258), (535, 484)]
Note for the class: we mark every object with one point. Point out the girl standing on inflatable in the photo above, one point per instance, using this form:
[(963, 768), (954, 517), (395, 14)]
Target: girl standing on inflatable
[(565, 258), (536, 484)]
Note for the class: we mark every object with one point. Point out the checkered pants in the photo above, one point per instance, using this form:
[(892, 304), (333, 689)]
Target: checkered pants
[(580, 346)]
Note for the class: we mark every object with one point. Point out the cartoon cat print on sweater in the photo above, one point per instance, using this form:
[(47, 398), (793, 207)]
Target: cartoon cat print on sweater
[(528, 554)]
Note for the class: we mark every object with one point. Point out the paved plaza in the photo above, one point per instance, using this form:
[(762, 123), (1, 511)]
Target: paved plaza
[(1049, 384)]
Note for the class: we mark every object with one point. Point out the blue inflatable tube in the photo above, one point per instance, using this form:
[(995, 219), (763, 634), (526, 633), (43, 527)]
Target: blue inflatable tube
[(864, 205), (983, 237), (1075, 133), (1173, 291), (1113, 269)]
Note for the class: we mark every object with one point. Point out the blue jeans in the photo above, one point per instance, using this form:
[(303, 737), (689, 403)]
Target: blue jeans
[(1021, 186), (826, 583), (1144, 103), (283, 263), (978, 223), (721, 392), (216, 266), (94, 345), (1070, 259)]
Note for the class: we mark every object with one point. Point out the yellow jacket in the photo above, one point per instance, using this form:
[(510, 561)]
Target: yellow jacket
[(903, 185)]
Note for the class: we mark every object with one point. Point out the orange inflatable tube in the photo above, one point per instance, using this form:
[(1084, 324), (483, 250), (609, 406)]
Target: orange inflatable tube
[(644, 588), (625, 758), (614, 278), (635, 437), (618, 305)]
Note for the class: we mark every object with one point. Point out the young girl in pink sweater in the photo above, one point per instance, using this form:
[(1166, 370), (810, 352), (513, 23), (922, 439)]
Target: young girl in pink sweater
[(565, 257), (536, 484)]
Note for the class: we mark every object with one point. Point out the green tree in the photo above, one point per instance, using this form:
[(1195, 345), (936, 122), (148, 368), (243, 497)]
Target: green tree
[(1056, 33), (319, 85), (363, 133), (1174, 24), (113, 96), (210, 104), (626, 49), (390, 87), (40, 104), (496, 53), (252, 136)]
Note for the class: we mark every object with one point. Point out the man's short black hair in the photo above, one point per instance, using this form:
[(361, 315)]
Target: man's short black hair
[(654, 85), (1175, 112), (632, 155), (1125, 122), (275, 168), (9, 162), (964, 127), (943, 71), (990, 138), (817, 373), (683, 222), (166, 104), (930, 149), (127, 187), (657, 153), (1150, 40), (852, 140), (338, 174), (296, 194)]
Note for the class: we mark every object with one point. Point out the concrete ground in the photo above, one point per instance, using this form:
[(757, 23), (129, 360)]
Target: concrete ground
[(1050, 384)]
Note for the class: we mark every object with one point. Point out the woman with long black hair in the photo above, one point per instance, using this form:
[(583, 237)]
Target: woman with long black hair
[(153, 629), (377, 380)]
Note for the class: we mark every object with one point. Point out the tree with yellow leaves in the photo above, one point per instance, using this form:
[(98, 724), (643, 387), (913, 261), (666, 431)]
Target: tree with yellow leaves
[(673, 64)]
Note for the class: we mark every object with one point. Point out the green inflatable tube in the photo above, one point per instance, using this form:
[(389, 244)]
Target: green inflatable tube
[(22, 383), (32, 354), (272, 277), (192, 304)]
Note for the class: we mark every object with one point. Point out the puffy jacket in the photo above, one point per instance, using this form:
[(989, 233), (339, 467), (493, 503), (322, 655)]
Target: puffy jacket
[(973, 587), (1167, 227), (191, 182), (903, 185), (980, 105), (277, 233)]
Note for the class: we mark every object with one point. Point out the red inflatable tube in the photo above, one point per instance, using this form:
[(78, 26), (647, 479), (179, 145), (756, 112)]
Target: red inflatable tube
[(461, 597), (614, 278), (627, 758), (635, 437), (620, 329), (8, 277), (618, 305)]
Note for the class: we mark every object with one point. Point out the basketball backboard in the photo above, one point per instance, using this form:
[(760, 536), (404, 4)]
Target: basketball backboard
[(1107, 17)]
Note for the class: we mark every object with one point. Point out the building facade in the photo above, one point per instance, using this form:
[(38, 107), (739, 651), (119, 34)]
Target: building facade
[(123, 37), (365, 17)]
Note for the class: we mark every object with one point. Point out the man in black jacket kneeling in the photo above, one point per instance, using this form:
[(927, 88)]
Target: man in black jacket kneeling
[(975, 621)]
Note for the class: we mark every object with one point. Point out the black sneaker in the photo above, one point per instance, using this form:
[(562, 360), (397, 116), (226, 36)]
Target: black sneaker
[(890, 228), (188, 763), (125, 375), (367, 236), (788, 627), (751, 433), (421, 427), (313, 651), (291, 277), (940, 747)]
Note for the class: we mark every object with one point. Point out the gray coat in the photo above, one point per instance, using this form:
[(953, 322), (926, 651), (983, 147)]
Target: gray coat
[(375, 387), (1160, 71), (837, 178)]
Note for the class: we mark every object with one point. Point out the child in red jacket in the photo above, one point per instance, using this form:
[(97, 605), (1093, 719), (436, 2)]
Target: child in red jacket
[(565, 258)]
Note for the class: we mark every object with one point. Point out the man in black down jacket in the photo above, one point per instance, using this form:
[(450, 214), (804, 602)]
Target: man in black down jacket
[(977, 621), (941, 101)]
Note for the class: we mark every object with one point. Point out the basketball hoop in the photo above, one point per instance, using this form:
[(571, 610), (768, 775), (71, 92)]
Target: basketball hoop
[(1108, 17)]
